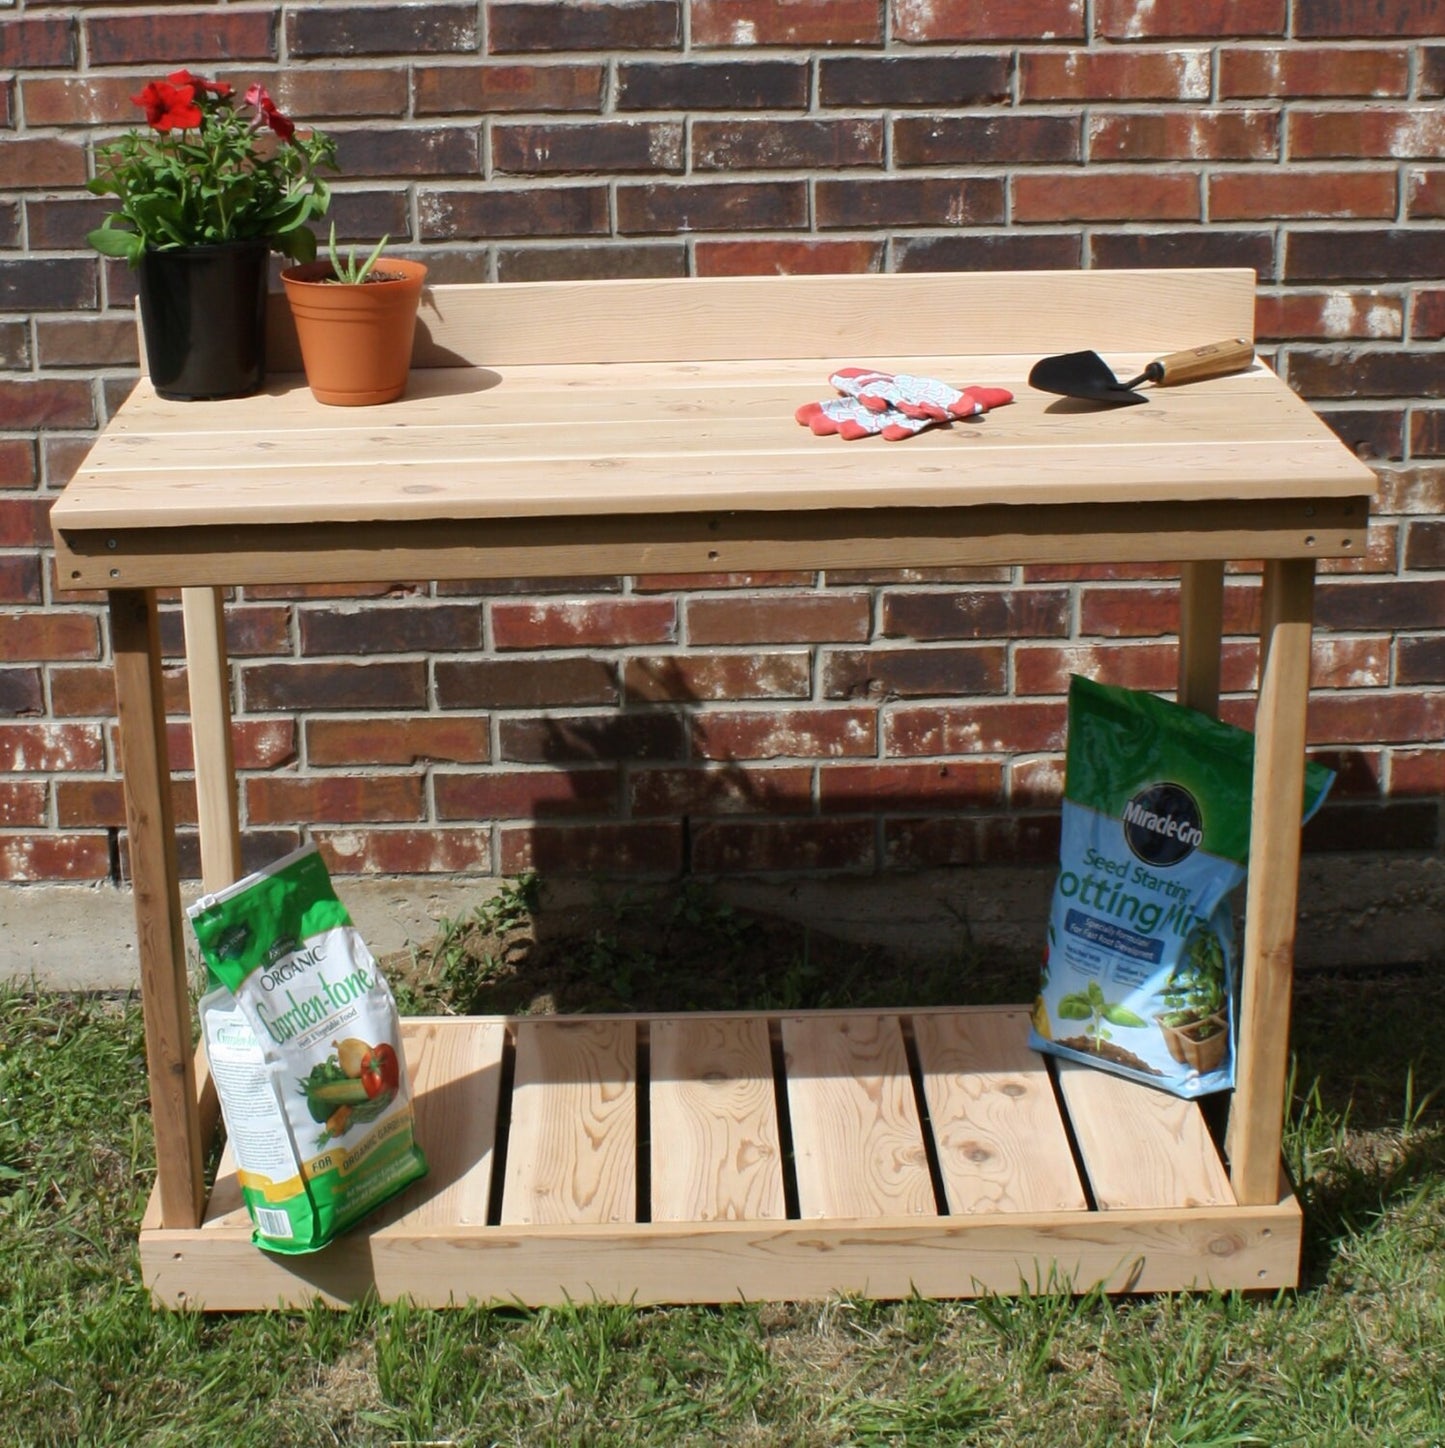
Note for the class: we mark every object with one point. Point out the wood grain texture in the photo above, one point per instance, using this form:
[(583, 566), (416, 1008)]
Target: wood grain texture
[(573, 413), (572, 1153), (208, 1116), (476, 482), (1142, 1147), (208, 678), (1201, 633), (164, 981), (715, 1146), (415, 1248), (581, 323), (857, 1138), (454, 1067), (582, 428), (530, 444), (455, 1070), (1272, 890), (718, 540), (1234, 1248), (1000, 1140)]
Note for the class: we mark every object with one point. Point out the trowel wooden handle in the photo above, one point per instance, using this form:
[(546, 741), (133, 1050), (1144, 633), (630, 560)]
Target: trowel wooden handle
[(1214, 359)]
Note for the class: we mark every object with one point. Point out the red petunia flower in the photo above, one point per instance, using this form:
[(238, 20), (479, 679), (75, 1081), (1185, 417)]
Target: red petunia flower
[(283, 125), (207, 167), (268, 113), (169, 107), (219, 88)]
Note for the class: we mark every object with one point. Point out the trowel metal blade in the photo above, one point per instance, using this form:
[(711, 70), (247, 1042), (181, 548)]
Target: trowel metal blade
[(1084, 375)]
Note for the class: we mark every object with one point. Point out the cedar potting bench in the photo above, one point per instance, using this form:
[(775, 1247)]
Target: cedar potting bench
[(624, 427)]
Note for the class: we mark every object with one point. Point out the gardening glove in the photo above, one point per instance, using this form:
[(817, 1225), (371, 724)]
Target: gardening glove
[(916, 396), (850, 420)]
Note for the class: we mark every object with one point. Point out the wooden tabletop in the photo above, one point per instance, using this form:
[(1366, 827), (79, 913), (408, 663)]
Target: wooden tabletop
[(619, 438), (699, 425)]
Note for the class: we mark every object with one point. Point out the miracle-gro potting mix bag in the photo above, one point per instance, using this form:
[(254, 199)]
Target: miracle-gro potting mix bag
[(304, 1046), (1139, 971)]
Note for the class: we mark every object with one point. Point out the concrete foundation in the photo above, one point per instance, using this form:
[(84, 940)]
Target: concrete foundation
[(1356, 911)]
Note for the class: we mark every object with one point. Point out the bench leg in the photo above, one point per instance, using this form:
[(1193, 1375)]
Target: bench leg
[(150, 828), (1201, 631), (208, 676), (1271, 902)]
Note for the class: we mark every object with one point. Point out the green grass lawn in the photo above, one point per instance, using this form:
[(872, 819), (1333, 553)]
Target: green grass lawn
[(1356, 1355)]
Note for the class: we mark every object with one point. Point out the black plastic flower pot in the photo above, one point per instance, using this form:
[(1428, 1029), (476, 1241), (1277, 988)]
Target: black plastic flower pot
[(203, 314)]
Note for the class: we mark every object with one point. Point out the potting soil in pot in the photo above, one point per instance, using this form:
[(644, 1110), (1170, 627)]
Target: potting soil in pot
[(1139, 970)]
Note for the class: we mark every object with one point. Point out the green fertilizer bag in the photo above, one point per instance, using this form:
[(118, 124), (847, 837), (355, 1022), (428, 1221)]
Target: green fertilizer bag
[(1139, 971), (304, 1046)]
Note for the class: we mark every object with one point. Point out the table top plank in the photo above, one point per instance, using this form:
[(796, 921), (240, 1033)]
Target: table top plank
[(537, 411), (656, 419), (635, 440)]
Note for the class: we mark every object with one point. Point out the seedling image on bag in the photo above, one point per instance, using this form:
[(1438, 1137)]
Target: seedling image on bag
[(1090, 1005)]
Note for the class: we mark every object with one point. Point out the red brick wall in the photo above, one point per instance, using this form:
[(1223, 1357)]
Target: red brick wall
[(847, 721)]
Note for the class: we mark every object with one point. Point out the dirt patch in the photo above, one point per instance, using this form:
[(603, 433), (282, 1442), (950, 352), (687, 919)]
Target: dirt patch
[(346, 1387), (676, 948)]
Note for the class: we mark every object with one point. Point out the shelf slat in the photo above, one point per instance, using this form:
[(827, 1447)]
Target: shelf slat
[(571, 1155), (1141, 1147), (456, 1077), (1001, 1142), (865, 1218), (715, 1144), (857, 1137)]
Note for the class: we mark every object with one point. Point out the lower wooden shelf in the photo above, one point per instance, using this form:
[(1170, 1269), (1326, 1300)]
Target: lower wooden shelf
[(712, 1158)]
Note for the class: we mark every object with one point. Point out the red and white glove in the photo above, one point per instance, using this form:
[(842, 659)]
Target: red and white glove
[(893, 406), (916, 396), (850, 419)]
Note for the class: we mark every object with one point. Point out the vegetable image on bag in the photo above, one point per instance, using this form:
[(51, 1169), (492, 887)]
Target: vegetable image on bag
[(304, 1044), (1140, 965)]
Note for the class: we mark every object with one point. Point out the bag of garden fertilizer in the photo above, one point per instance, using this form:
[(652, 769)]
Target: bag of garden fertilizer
[(1139, 971), (304, 1046)]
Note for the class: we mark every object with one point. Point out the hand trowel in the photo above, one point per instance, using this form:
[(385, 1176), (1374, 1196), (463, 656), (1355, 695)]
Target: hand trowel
[(1088, 376)]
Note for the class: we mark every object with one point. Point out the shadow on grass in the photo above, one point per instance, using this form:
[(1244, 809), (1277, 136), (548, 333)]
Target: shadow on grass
[(1371, 1177), (1366, 1135), (677, 947)]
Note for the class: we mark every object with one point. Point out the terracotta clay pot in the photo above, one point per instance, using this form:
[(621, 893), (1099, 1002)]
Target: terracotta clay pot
[(355, 340)]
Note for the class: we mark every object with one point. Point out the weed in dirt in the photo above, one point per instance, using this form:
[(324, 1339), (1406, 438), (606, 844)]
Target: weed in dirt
[(452, 973)]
